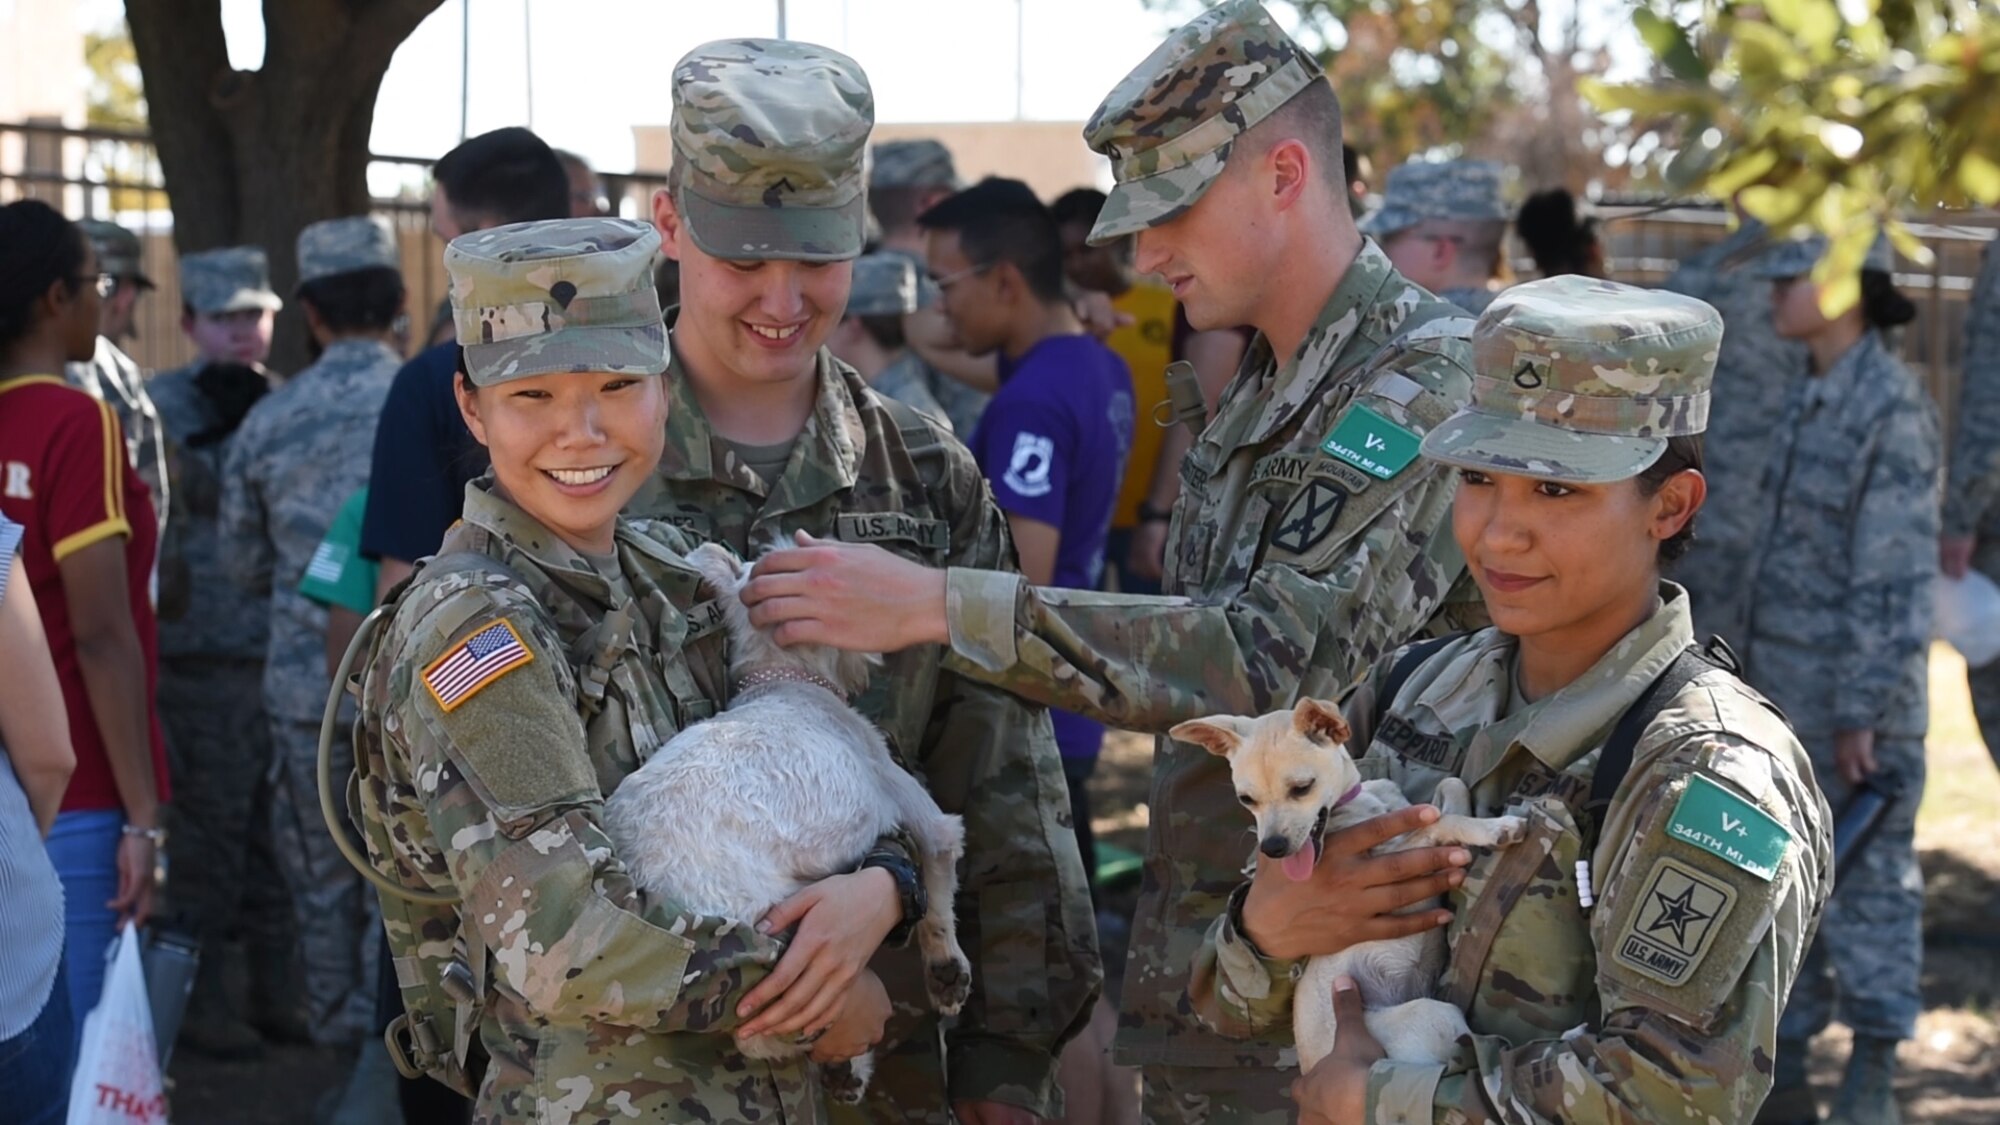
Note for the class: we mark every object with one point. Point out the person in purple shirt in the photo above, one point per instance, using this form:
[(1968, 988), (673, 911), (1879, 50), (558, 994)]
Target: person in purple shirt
[(1054, 439)]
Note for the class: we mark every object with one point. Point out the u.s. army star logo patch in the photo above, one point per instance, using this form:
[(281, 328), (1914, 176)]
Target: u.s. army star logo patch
[(1674, 922), (1309, 516)]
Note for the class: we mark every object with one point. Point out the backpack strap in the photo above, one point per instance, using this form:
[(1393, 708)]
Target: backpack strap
[(1615, 761), (1399, 674)]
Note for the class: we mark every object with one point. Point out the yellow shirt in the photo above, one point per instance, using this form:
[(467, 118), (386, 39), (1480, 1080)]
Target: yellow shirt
[(1146, 345)]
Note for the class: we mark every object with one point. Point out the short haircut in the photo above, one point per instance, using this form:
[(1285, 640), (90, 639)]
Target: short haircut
[(1313, 117), (356, 301), (1000, 220), (1077, 206), (508, 175), (38, 248)]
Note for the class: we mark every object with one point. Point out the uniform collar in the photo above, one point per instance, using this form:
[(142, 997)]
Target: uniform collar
[(825, 460), (1843, 379), (1560, 729), (359, 351), (527, 536), (1370, 303)]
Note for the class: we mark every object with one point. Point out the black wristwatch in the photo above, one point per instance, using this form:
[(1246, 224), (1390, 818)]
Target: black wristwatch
[(1150, 514), (909, 889)]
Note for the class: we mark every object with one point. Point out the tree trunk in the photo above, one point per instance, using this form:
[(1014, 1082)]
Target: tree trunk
[(251, 157)]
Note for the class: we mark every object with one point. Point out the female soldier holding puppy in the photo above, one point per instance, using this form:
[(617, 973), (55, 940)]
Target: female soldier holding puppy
[(1705, 851), (547, 651)]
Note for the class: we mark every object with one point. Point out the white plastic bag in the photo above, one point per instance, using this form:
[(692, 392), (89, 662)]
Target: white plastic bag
[(117, 1079), (1968, 616)]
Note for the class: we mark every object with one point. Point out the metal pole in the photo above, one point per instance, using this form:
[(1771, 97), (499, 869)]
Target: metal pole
[(528, 50), (781, 20), (464, 67)]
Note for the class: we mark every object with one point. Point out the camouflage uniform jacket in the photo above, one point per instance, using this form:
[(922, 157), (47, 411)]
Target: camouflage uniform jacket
[(301, 451), (1972, 500), (1840, 626), (112, 377), (1296, 569), (221, 620), (1754, 372), (600, 1004), (867, 469), (904, 381), (1661, 1003)]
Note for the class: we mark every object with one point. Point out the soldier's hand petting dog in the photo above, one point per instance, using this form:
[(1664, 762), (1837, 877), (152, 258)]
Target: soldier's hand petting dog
[(852, 596), (1336, 1091), (1351, 894), (842, 920)]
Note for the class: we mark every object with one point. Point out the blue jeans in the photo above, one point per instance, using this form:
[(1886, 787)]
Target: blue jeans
[(35, 1065), (83, 846)]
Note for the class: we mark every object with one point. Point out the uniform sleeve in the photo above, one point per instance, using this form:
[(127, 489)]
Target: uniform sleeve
[(1695, 956), (1237, 989), (1894, 553), (1146, 663), (408, 521), (500, 766), (245, 540), (1975, 453), (81, 495), (1028, 448), (1024, 913)]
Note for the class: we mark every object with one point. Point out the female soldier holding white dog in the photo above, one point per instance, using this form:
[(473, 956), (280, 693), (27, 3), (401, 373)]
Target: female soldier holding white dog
[(547, 651), (1706, 851)]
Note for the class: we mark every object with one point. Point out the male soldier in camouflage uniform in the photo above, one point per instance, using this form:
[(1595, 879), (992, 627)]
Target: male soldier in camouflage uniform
[(212, 668), (906, 179), (870, 336), (1972, 496), (1305, 544), (111, 376), (1623, 1012), (1756, 369), (768, 435), (301, 451), (1444, 226), (1838, 636)]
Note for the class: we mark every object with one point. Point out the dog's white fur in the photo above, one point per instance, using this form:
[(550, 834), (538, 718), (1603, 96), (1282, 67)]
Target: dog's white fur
[(788, 786), (1289, 769)]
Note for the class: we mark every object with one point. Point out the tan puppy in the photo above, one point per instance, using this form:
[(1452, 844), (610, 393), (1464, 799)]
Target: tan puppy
[(1293, 772)]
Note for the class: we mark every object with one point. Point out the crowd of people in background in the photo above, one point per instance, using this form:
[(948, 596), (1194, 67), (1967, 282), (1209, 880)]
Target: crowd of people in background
[(185, 556)]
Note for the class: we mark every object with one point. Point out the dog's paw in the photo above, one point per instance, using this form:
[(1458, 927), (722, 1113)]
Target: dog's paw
[(843, 1082), (949, 982), (1509, 830)]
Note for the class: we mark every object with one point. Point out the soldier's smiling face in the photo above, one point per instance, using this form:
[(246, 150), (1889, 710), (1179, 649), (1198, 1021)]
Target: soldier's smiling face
[(570, 448), (755, 321)]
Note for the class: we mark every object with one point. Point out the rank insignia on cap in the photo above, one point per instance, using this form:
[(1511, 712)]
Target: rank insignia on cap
[(475, 662)]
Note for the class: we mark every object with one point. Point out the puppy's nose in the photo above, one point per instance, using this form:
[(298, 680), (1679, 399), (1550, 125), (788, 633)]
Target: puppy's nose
[(1277, 847)]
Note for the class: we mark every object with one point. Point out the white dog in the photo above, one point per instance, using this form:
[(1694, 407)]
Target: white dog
[(788, 786), (1292, 771)]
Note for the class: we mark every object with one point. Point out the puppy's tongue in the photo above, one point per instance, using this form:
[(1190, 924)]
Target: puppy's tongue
[(1298, 866)]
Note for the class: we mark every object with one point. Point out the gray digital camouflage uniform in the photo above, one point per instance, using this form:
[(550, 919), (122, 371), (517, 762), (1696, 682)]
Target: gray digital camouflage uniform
[(1461, 191), (1972, 496), (111, 377)]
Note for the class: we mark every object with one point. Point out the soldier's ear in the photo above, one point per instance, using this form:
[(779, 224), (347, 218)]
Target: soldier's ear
[(1218, 734), (667, 220)]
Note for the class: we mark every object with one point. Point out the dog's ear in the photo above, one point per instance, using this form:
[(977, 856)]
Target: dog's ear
[(718, 567), (1319, 720), (1218, 734)]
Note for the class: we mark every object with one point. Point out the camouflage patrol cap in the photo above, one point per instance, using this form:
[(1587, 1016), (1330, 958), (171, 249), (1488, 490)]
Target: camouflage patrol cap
[(913, 164), (1582, 380), (231, 279), (557, 295), (1797, 257), (771, 142), (1466, 190), (357, 242), (117, 250), (1168, 126), (884, 285)]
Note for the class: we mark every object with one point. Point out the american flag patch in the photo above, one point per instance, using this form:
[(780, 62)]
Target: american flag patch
[(473, 663)]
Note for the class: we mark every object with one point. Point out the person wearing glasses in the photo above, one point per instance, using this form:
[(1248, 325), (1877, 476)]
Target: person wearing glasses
[(111, 376), (87, 552)]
